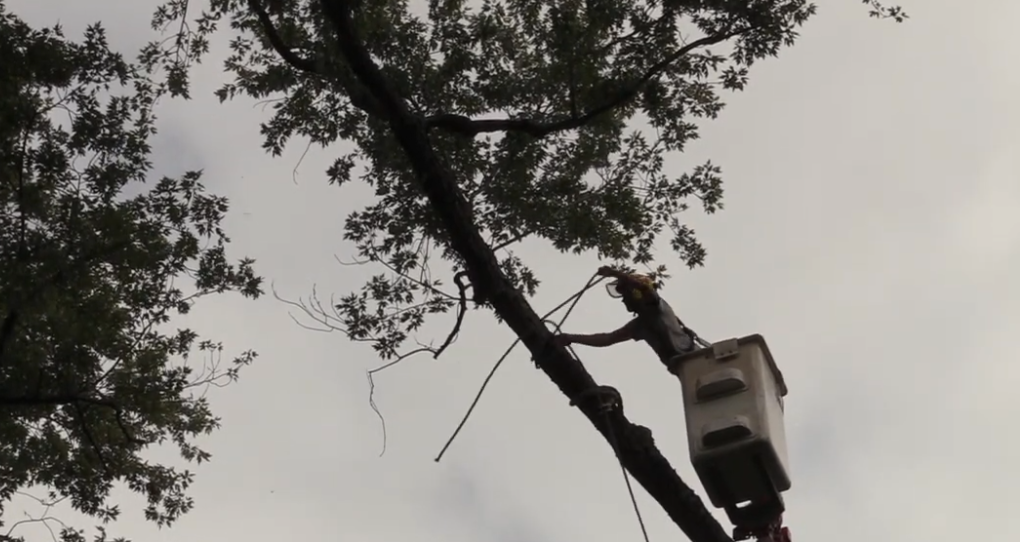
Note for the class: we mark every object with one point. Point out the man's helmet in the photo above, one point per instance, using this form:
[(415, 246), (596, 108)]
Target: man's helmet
[(613, 288)]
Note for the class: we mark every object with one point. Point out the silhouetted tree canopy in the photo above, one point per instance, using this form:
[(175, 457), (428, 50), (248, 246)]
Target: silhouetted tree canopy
[(96, 257)]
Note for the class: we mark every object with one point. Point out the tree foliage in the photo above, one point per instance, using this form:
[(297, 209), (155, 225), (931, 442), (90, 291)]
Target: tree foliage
[(480, 125), (94, 263), (554, 119)]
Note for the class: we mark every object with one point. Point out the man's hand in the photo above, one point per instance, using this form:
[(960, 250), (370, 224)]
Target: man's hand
[(597, 340)]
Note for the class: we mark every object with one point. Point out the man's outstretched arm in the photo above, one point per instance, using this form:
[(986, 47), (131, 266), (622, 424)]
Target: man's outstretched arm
[(597, 339)]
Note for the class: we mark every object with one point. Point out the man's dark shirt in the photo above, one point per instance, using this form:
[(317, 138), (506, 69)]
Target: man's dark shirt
[(658, 326)]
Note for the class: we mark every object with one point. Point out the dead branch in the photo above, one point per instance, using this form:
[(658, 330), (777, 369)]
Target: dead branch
[(44, 518), (515, 239), (316, 311)]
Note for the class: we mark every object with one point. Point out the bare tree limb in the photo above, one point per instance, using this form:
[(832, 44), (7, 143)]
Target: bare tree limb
[(44, 518), (318, 313)]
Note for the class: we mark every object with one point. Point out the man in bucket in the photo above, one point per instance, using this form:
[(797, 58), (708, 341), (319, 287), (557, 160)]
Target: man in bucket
[(655, 323)]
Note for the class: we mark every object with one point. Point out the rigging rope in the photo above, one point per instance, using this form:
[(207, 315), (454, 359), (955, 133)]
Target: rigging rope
[(572, 300), (626, 477), (612, 442)]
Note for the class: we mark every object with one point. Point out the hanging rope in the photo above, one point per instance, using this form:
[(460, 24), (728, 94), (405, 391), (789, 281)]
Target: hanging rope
[(572, 301), (611, 431), (626, 477)]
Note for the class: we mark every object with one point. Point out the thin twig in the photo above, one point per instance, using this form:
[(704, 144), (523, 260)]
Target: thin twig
[(293, 173), (371, 388)]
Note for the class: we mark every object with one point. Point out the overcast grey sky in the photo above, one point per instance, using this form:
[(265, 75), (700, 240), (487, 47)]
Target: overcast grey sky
[(870, 229)]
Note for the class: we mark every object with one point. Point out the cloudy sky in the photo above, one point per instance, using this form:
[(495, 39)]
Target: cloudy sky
[(870, 229)]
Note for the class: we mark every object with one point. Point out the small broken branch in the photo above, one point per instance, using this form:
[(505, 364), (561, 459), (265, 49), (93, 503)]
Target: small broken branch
[(43, 519), (458, 279)]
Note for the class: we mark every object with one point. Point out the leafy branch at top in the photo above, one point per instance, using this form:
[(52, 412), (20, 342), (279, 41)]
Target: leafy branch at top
[(554, 120)]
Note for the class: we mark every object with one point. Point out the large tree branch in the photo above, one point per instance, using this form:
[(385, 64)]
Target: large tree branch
[(469, 127), (286, 53), (636, 447), (360, 97), (75, 400)]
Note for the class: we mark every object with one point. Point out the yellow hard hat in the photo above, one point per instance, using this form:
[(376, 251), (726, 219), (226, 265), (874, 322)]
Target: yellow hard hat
[(644, 280)]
